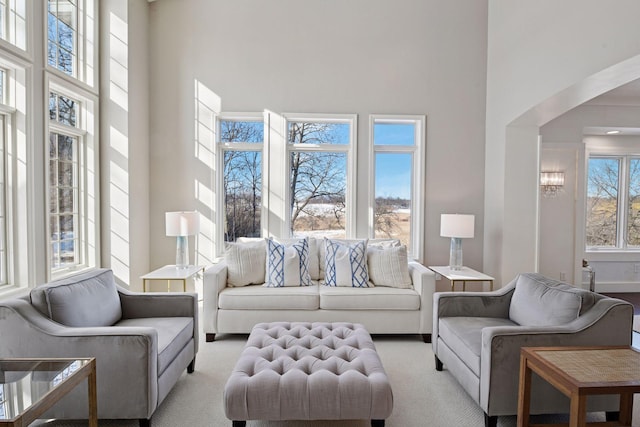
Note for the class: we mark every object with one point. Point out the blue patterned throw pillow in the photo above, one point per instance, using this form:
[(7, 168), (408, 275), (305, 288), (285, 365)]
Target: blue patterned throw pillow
[(287, 264), (346, 264)]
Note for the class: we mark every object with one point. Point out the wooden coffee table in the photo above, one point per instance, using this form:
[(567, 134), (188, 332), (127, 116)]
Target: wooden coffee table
[(28, 387), (579, 372)]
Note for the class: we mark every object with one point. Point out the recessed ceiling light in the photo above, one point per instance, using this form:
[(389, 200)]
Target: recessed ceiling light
[(612, 132)]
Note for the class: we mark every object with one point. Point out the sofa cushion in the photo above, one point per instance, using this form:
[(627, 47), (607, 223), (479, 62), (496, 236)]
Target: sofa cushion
[(389, 266), (260, 298), (173, 334), (86, 299), (374, 298), (383, 243), (463, 335), (346, 264), (540, 301), (246, 262), (288, 263)]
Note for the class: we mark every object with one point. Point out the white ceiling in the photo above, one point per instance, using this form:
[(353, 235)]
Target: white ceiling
[(625, 95)]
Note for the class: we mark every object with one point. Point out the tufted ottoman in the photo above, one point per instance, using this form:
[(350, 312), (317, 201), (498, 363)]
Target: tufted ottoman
[(308, 371)]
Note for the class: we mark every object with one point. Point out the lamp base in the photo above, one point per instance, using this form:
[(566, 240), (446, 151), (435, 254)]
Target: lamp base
[(182, 251), (455, 254)]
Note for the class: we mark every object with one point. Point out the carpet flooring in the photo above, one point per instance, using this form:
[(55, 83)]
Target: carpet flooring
[(422, 396)]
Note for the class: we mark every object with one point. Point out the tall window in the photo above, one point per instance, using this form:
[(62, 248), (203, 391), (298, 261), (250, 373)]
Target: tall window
[(73, 225), (71, 38), (241, 140), (13, 22), (4, 240), (613, 202), (63, 182), (319, 154), (397, 170), (62, 34)]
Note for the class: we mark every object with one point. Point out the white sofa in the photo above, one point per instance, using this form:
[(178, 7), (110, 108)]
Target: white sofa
[(381, 309)]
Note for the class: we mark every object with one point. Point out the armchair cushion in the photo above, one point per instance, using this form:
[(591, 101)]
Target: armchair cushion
[(84, 300), (540, 301), (464, 336), (174, 333)]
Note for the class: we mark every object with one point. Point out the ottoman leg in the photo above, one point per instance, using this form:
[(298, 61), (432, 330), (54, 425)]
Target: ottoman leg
[(238, 423), (377, 423)]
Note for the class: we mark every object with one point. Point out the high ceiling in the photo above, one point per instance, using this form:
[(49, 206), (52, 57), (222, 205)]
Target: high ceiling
[(625, 95)]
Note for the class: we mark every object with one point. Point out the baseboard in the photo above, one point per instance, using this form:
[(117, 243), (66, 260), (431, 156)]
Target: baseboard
[(613, 287)]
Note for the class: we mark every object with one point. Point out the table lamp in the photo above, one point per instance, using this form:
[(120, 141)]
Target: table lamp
[(182, 225), (457, 227)]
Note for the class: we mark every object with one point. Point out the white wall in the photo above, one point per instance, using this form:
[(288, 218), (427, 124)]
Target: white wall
[(361, 56), (124, 139), (544, 58)]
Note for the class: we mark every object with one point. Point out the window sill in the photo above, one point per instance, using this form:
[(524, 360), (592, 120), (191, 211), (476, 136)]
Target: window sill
[(604, 255)]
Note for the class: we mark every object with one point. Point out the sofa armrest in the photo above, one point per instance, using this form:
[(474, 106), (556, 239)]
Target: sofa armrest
[(124, 355), (608, 322), (137, 305), (424, 282), (215, 280)]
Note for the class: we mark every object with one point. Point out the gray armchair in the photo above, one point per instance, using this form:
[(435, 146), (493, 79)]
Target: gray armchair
[(142, 342), (477, 337)]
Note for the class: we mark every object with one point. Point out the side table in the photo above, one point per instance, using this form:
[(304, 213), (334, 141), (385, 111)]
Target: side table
[(28, 387), (579, 372), (172, 273), (464, 275)]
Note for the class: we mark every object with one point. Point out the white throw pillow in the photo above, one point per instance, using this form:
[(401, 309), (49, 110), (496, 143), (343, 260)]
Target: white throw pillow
[(389, 266), (287, 263), (346, 264), (245, 263)]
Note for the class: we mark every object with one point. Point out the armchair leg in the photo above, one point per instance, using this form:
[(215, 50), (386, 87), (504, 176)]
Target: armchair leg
[(490, 420), (377, 423), (438, 364), (238, 423), (192, 366), (210, 337), (426, 338), (145, 422)]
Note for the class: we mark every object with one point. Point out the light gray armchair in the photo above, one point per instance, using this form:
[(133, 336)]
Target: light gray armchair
[(142, 342), (477, 337)]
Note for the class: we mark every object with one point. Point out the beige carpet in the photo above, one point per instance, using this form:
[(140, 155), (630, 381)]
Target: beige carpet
[(422, 396)]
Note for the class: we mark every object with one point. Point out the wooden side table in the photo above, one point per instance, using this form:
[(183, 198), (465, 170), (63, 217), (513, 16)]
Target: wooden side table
[(464, 275), (172, 273), (579, 372)]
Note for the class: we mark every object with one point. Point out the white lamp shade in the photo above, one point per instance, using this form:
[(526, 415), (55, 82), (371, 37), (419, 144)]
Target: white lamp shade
[(457, 225), (182, 223)]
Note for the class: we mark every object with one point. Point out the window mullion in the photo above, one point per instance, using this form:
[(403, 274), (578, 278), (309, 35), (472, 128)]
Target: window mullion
[(623, 201)]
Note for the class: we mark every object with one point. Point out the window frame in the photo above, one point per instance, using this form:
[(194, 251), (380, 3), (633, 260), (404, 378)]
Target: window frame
[(88, 176), (349, 149), (624, 152), (418, 151), (86, 45), (221, 149)]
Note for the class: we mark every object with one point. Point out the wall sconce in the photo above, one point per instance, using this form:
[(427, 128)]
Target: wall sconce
[(551, 183)]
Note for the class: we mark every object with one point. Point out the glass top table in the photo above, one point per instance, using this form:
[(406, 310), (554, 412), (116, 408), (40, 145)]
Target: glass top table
[(28, 387)]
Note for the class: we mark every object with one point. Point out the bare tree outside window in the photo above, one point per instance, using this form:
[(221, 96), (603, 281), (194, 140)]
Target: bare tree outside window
[(602, 202), (62, 35), (318, 178), (633, 213), (242, 179)]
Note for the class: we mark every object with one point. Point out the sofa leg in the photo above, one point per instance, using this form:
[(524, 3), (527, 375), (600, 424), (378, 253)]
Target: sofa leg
[(192, 366), (377, 423), (211, 337), (426, 338), (438, 364), (238, 423), (144, 422), (490, 420)]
